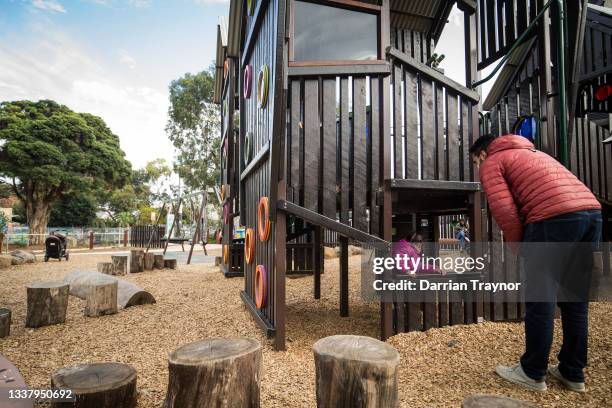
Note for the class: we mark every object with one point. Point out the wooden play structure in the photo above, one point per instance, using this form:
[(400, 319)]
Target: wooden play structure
[(336, 118)]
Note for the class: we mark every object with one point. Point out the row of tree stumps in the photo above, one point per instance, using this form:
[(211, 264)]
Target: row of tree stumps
[(351, 371), (138, 261), (47, 302)]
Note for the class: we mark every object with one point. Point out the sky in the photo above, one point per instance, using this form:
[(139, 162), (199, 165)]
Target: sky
[(116, 59), (112, 58)]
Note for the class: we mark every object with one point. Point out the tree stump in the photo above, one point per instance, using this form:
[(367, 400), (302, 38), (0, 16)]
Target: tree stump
[(149, 260), (101, 299), (170, 263), (47, 303), (158, 261), (486, 401), (5, 322), (128, 294), (107, 268), (215, 373), (355, 371), (97, 385), (120, 263), (136, 260)]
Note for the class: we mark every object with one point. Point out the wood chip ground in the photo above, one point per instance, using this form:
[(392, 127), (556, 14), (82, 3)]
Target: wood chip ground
[(438, 368)]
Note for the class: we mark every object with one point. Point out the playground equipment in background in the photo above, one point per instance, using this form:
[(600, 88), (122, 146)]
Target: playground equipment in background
[(197, 218)]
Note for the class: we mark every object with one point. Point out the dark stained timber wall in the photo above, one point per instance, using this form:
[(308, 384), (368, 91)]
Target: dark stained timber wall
[(229, 169), (333, 147), (255, 177), (430, 124)]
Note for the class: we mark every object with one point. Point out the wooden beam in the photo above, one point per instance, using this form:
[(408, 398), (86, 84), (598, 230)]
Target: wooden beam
[(280, 266), (439, 185), (433, 74), (261, 156), (344, 291), (382, 68), (176, 208), (197, 231), (155, 226), (318, 261), (259, 318), (330, 224)]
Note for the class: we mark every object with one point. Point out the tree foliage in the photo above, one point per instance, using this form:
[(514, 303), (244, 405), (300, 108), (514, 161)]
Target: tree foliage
[(77, 208), (48, 151), (194, 127)]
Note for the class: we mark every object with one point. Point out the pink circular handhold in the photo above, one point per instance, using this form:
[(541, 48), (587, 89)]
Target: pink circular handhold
[(226, 213), (248, 81)]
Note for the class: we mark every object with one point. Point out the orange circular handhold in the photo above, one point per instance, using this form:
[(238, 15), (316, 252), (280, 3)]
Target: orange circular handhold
[(225, 253), (226, 68), (249, 245), (261, 279), (263, 220), (222, 193)]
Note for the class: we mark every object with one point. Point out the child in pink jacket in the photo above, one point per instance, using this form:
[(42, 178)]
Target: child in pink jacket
[(412, 247)]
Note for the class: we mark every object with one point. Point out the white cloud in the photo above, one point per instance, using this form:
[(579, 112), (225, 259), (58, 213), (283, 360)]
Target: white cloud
[(126, 59), (204, 2), (49, 5), (54, 67)]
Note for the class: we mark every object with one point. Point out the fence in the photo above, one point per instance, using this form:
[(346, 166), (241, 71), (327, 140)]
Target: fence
[(78, 237)]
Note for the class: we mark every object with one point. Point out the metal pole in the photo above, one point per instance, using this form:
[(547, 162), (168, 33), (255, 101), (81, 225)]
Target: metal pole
[(562, 103)]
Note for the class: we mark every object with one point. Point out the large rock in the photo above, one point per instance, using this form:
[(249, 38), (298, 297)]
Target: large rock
[(27, 256), (15, 260), (5, 261)]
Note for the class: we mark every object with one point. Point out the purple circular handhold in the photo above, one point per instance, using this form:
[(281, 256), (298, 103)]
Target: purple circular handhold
[(248, 81)]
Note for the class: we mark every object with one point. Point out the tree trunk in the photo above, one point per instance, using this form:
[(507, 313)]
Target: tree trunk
[(107, 268), (120, 263), (158, 261), (170, 263), (47, 303), (215, 373), (128, 294), (149, 260), (486, 401), (97, 385), (5, 322), (37, 215), (136, 260), (101, 299), (355, 372)]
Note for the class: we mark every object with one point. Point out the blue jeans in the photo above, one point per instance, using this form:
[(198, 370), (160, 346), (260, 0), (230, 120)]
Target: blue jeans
[(549, 273), (460, 235)]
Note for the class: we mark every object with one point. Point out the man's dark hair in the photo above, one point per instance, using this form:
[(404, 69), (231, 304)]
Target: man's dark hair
[(481, 144)]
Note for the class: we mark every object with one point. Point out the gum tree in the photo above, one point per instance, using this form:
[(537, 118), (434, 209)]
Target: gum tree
[(47, 150), (193, 127)]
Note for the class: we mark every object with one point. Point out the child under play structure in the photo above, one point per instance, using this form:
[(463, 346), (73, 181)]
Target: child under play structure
[(412, 247), (461, 233)]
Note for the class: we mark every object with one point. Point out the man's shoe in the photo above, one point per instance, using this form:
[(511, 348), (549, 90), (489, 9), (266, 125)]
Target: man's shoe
[(516, 375), (570, 385)]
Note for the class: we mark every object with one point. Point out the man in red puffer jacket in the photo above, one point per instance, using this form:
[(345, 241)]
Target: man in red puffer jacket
[(537, 201)]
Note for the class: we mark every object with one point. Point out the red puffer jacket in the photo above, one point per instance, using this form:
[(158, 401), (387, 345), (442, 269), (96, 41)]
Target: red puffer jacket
[(524, 185)]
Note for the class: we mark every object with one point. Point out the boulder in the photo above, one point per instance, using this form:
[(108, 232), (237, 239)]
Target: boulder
[(5, 261), (15, 260), (27, 256)]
